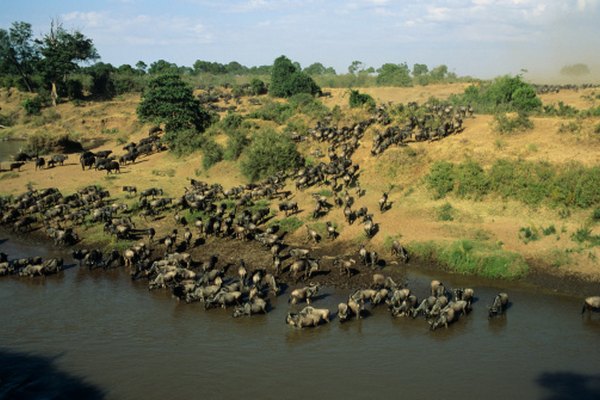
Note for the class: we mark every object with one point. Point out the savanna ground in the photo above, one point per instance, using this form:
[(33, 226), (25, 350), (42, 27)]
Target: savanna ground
[(415, 218)]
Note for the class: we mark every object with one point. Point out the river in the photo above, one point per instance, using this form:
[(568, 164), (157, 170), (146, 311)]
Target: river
[(99, 335)]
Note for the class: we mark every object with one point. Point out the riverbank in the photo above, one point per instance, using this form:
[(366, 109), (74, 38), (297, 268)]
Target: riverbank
[(462, 233), (229, 252)]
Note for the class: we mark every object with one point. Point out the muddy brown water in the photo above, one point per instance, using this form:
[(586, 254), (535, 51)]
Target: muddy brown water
[(99, 335)]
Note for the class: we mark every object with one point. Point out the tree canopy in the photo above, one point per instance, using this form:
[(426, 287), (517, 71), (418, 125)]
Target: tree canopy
[(394, 75), (62, 52), (270, 152), (287, 79), (167, 99)]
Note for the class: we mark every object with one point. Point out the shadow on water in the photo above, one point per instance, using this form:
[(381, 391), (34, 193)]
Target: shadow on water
[(27, 376), (569, 385)]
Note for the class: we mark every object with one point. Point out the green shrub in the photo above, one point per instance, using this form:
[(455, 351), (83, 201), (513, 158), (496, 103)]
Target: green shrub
[(257, 87), (528, 234), (357, 99), (504, 94), (470, 180), (504, 123), (596, 215), (273, 111), (212, 153), (445, 212), (289, 224), (440, 179), (569, 127), (169, 100), (231, 121), (550, 230), (270, 152), (33, 106), (184, 141), (473, 257), (8, 120), (287, 80), (236, 143), (584, 236), (307, 104)]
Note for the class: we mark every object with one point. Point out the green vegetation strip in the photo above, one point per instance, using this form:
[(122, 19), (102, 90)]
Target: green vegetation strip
[(472, 257), (533, 183)]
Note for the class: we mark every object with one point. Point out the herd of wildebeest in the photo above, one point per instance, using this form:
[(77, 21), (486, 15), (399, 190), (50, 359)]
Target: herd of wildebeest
[(243, 213)]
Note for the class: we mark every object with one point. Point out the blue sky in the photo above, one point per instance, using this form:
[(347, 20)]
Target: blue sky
[(483, 38)]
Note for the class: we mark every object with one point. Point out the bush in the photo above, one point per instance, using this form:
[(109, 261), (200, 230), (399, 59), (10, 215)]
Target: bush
[(504, 94), (8, 120), (306, 104), (33, 106), (287, 80), (236, 143), (470, 180), (596, 215), (212, 153), (74, 89), (358, 99), (231, 121), (528, 234), (445, 212), (168, 100), (473, 257), (269, 153), (504, 123), (184, 141), (273, 111), (440, 179), (257, 87)]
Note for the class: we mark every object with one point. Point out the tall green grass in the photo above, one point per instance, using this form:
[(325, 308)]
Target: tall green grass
[(533, 183), (472, 257)]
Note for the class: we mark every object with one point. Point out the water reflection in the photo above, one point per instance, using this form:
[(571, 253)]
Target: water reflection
[(28, 376), (570, 385)]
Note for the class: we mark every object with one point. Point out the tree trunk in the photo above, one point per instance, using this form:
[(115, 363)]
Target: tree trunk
[(53, 94)]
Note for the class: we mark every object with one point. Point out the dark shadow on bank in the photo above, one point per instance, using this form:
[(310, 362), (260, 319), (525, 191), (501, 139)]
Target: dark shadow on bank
[(569, 386), (28, 376)]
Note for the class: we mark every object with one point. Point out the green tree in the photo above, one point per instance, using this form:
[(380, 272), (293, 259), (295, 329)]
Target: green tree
[(287, 80), (439, 73), (19, 54), (62, 52), (103, 86), (257, 87), (356, 67), (420, 69), (141, 66), (163, 67), (167, 99), (270, 152), (394, 75)]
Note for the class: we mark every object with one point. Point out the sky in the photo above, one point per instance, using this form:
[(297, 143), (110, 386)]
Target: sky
[(481, 38)]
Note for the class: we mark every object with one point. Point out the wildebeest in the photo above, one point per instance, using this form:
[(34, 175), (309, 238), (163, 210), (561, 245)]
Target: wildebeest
[(16, 165), (112, 166), (39, 163)]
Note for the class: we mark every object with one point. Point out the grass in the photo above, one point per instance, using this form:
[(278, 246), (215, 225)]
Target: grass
[(445, 212), (473, 257), (164, 172), (288, 224), (559, 258), (584, 236), (528, 234), (9, 175), (533, 183)]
